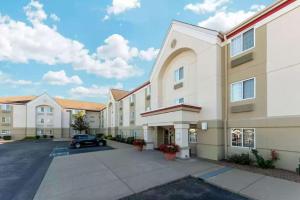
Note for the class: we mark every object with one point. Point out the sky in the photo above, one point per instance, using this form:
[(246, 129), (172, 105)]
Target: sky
[(80, 49)]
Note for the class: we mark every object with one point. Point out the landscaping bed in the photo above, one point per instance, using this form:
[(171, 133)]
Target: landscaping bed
[(277, 173)]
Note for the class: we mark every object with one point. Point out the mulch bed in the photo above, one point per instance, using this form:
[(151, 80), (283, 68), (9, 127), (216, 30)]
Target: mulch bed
[(277, 173)]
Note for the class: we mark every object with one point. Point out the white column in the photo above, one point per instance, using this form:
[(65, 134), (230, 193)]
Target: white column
[(148, 137), (182, 140)]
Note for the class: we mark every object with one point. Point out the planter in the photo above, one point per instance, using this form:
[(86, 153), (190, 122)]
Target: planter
[(170, 156), (138, 147)]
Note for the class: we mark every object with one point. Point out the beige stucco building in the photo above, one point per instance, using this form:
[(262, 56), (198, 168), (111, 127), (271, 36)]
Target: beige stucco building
[(26, 116), (216, 94)]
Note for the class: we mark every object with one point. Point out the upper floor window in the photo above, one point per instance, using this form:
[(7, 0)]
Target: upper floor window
[(5, 120), (243, 90), (148, 90), (179, 101), (242, 42), (131, 98), (42, 121), (179, 74), (132, 115), (5, 107)]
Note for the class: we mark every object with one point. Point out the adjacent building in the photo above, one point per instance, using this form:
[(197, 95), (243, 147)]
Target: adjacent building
[(25, 116), (217, 94)]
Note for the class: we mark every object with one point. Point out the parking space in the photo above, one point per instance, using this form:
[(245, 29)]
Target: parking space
[(23, 165)]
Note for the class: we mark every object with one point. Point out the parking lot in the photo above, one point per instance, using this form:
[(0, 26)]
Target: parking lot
[(23, 165)]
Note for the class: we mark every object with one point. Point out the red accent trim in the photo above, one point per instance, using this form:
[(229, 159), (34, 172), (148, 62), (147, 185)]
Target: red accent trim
[(171, 107), (260, 18), (136, 89)]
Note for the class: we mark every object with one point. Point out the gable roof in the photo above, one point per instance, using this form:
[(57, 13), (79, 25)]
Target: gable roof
[(65, 103), (80, 105), (118, 94), (17, 99)]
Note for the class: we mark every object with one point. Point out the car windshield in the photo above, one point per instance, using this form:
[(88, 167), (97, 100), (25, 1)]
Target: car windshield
[(84, 136)]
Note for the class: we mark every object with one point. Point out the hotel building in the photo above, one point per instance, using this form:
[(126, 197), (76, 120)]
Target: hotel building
[(217, 94)]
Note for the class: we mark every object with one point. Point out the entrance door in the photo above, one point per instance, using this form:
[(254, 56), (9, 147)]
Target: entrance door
[(169, 136)]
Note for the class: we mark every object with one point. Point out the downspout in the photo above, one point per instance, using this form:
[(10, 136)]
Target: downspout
[(226, 100)]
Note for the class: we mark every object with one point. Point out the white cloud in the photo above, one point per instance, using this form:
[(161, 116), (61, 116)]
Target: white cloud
[(149, 54), (93, 91), (257, 7), (21, 43), (224, 20), (60, 78), (35, 12), (116, 46), (120, 6), (207, 6), (54, 17), (7, 80)]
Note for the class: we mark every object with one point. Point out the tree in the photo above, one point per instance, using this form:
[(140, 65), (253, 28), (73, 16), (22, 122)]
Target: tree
[(80, 123)]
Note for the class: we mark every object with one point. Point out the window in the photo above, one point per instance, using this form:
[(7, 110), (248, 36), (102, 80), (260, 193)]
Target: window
[(5, 132), (179, 101), (243, 90), (132, 115), (42, 121), (5, 119), (179, 75), (192, 136), (148, 108), (242, 42), (243, 137), (5, 107), (49, 110), (131, 99), (148, 90)]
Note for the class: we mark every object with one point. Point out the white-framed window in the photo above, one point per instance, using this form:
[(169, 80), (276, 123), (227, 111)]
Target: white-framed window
[(243, 137), (132, 115), (131, 98), (5, 132), (42, 121), (193, 136), (5, 120), (242, 42), (243, 90), (179, 100), (5, 107), (49, 109), (148, 90), (179, 75), (148, 108)]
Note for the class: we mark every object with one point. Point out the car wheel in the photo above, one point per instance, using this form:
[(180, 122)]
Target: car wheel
[(77, 145), (100, 143)]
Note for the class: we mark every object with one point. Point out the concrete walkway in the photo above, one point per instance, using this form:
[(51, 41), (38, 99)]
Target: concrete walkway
[(121, 172)]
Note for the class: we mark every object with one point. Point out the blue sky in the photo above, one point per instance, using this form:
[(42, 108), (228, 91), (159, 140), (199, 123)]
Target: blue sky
[(80, 49)]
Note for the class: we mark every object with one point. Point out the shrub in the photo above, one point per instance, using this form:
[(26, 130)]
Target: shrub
[(242, 159), (37, 137), (123, 140), (118, 138), (99, 135), (130, 140), (6, 137), (169, 148), (30, 138), (298, 169), (51, 136), (266, 164), (109, 137), (138, 142), (44, 136)]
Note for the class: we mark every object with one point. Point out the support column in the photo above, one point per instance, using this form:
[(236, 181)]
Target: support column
[(148, 137), (182, 140)]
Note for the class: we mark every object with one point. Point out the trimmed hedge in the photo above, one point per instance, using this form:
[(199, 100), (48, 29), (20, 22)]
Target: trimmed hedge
[(6, 137)]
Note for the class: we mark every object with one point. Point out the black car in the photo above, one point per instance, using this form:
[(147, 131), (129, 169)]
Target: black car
[(81, 140)]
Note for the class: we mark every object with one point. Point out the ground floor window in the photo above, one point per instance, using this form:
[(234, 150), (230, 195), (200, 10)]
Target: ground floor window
[(243, 137), (193, 136), (5, 132)]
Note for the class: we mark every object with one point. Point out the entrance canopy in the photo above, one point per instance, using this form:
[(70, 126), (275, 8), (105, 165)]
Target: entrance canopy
[(170, 115)]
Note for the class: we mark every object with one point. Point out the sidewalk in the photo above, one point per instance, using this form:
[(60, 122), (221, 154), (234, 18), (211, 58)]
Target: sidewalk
[(124, 171), (255, 186)]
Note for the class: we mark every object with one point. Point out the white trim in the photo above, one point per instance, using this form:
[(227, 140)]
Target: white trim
[(242, 33), (242, 147), (242, 81)]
